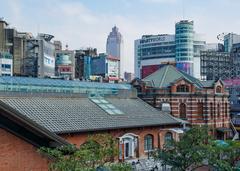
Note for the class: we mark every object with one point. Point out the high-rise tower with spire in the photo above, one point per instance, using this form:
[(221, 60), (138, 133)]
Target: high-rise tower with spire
[(114, 46)]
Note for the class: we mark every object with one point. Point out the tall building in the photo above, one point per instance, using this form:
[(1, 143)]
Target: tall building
[(64, 67), (46, 58), (82, 61), (3, 43), (137, 58), (183, 49), (184, 35), (229, 40), (215, 65), (151, 51), (105, 66), (235, 57), (198, 45), (114, 46), (19, 52), (65, 61), (40, 57), (15, 43)]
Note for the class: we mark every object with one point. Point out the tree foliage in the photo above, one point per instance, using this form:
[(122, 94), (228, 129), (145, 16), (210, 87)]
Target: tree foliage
[(98, 151), (196, 148)]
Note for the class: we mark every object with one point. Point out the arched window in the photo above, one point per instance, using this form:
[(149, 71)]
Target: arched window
[(182, 88), (211, 110), (226, 110), (168, 138), (182, 111), (219, 89), (148, 142), (200, 109), (218, 109)]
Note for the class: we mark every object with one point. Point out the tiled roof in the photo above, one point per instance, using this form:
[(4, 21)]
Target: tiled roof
[(65, 115), (163, 78), (209, 83)]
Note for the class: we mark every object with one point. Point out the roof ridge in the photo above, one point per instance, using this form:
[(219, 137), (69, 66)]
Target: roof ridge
[(164, 76), (191, 78)]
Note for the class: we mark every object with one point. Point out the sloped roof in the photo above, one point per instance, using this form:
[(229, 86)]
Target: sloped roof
[(66, 115), (209, 83), (26, 129), (163, 77)]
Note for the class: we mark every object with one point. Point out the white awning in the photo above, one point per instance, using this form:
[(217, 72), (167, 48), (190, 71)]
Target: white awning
[(177, 130)]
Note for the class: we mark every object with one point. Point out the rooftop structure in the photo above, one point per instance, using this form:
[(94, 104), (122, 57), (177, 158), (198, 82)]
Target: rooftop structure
[(39, 85)]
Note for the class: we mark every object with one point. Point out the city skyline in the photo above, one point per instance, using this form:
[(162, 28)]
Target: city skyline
[(75, 22)]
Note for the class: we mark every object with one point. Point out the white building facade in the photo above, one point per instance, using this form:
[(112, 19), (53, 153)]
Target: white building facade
[(6, 64)]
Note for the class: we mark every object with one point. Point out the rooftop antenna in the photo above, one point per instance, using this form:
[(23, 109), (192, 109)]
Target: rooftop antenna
[(183, 10)]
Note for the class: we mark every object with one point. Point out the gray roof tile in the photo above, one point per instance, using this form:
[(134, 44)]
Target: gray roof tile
[(65, 115)]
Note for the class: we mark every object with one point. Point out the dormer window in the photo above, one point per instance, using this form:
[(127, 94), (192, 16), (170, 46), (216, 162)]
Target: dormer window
[(182, 88), (219, 89)]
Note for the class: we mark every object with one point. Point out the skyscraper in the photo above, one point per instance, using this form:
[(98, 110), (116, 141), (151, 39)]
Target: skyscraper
[(184, 46), (181, 50), (114, 46), (229, 40)]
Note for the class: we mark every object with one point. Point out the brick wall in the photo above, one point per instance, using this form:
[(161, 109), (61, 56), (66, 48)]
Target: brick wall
[(206, 106), (18, 155), (158, 134)]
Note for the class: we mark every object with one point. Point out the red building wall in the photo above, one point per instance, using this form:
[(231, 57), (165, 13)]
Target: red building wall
[(157, 132), (215, 109), (18, 155)]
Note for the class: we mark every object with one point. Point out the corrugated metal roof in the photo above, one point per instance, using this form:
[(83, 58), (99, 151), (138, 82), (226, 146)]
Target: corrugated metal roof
[(65, 115)]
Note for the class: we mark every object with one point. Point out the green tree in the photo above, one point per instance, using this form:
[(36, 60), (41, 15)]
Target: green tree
[(98, 151), (196, 148)]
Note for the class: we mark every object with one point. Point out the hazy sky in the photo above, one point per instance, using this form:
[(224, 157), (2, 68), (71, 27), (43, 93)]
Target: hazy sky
[(87, 23)]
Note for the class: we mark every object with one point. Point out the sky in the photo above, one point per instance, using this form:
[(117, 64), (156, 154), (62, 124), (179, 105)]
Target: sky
[(87, 23)]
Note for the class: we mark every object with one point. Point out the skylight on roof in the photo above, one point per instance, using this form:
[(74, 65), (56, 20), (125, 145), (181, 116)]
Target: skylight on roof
[(106, 106)]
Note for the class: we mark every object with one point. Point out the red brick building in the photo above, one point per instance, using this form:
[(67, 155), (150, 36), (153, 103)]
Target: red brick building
[(19, 140), (33, 118), (185, 97)]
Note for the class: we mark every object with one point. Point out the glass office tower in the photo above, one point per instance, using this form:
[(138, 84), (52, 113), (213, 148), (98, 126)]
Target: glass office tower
[(184, 36)]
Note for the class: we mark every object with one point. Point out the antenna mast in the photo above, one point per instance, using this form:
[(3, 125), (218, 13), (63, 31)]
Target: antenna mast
[(183, 9)]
